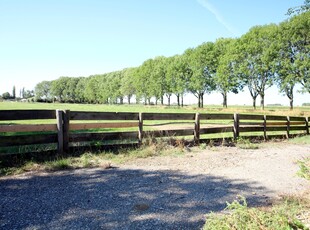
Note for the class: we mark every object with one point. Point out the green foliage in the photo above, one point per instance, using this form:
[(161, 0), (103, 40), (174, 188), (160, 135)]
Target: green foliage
[(6, 95), (304, 170), (256, 52), (265, 55), (281, 216), (43, 90)]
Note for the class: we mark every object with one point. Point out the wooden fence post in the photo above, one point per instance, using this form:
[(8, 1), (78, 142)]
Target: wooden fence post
[(265, 127), (66, 122), (60, 144), (288, 127), (197, 128), (307, 125), (140, 127), (236, 126)]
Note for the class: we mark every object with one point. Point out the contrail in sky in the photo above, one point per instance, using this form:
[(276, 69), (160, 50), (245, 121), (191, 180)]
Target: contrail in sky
[(207, 5)]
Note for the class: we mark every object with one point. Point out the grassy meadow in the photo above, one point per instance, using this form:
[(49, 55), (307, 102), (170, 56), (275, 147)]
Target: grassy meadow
[(274, 110)]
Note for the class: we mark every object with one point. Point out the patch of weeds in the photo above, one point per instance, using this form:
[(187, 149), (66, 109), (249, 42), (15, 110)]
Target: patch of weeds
[(301, 140), (59, 164), (285, 215), (88, 160), (243, 143), (203, 146), (304, 168)]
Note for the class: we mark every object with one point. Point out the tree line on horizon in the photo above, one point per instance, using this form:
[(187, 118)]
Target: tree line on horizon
[(273, 54)]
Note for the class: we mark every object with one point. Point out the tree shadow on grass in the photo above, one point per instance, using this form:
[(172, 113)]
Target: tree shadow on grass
[(118, 199)]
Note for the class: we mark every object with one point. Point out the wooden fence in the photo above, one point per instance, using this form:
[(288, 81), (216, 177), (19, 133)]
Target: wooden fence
[(66, 132)]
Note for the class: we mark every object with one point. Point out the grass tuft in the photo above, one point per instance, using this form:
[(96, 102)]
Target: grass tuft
[(304, 168), (285, 215), (243, 143)]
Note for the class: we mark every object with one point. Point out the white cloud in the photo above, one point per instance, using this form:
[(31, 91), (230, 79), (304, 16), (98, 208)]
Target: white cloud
[(207, 5)]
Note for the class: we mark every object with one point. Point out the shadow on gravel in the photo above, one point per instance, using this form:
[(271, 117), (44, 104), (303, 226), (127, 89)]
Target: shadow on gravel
[(118, 199)]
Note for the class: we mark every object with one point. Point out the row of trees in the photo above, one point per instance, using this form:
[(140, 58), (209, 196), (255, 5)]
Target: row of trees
[(264, 56), (23, 94)]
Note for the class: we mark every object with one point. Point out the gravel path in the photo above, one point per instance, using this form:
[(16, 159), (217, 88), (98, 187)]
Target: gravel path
[(166, 192)]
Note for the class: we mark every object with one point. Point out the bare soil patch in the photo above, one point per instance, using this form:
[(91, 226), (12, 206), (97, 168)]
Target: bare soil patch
[(164, 192)]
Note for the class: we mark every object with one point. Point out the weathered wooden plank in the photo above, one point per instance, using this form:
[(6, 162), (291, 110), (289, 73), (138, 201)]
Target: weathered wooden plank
[(265, 127), (60, 138), (66, 123), (276, 128), (79, 126), (297, 119), (285, 123), (251, 117), (275, 118), (251, 129), (168, 116), (169, 133), (6, 141), (307, 125), (224, 129), (140, 132), (80, 137), (236, 126), (216, 116), (28, 128), (7, 115), (76, 115), (270, 124), (252, 123), (297, 123), (197, 128)]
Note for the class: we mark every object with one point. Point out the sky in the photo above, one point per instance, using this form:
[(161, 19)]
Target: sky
[(43, 40)]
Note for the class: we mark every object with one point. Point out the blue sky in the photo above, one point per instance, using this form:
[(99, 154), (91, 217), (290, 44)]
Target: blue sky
[(43, 40)]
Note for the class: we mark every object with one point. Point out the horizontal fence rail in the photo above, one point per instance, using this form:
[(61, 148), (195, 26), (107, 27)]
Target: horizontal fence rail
[(75, 128)]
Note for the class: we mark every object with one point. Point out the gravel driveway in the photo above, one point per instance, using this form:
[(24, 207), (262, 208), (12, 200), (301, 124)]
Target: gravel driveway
[(166, 192)]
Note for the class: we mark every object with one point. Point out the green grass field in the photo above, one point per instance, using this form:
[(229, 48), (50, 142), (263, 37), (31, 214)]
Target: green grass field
[(279, 110)]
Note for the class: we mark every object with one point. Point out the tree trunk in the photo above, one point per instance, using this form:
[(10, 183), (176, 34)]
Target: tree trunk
[(199, 103), (200, 96), (178, 99), (121, 100), (129, 97), (182, 100), (162, 100), (224, 99), (291, 103), (254, 102), (262, 101)]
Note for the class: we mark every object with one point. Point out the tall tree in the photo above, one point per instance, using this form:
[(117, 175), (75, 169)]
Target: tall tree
[(43, 90), (292, 62), (127, 83), (226, 78), (257, 50), (59, 88), (14, 92), (177, 76), (143, 82), (201, 62)]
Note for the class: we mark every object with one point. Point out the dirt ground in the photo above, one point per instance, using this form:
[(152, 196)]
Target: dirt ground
[(164, 192)]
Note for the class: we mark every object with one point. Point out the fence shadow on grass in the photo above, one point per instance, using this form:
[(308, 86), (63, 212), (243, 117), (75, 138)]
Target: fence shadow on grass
[(118, 199)]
